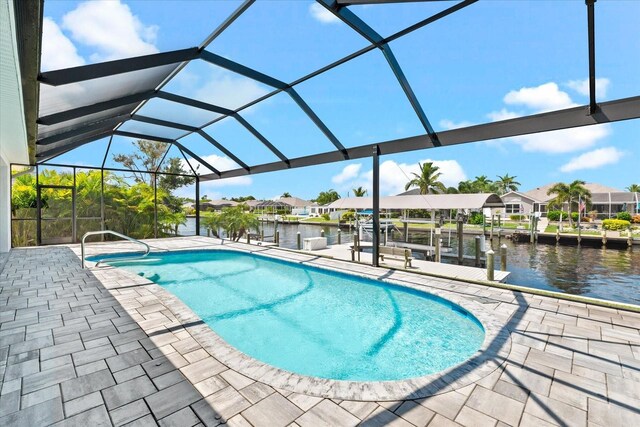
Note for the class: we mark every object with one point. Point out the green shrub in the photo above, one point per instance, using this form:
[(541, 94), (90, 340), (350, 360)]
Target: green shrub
[(476, 218), (555, 215), (625, 216), (517, 217), (325, 216), (615, 224), (574, 216), (348, 216)]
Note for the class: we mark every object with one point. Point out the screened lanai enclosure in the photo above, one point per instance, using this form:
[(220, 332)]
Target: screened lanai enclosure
[(257, 115)]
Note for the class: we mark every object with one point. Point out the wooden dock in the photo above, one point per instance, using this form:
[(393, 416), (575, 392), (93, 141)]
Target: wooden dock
[(454, 271)]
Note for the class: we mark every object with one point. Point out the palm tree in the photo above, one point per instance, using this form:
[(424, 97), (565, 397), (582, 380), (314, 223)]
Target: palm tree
[(561, 190), (428, 180), (359, 192), (286, 194), (633, 188), (465, 187), (482, 184), (569, 193), (506, 183)]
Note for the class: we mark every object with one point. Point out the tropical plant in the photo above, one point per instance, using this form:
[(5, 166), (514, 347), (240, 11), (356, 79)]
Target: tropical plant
[(326, 197), (570, 194), (286, 194), (633, 188), (236, 222), (211, 221), (482, 184), (506, 183), (428, 181), (359, 192)]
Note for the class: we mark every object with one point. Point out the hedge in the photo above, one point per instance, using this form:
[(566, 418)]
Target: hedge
[(625, 216), (615, 224), (517, 217), (555, 215)]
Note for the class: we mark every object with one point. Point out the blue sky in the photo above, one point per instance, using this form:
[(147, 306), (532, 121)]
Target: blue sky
[(491, 61)]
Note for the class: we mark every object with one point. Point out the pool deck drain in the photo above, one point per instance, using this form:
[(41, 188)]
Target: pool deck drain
[(94, 346)]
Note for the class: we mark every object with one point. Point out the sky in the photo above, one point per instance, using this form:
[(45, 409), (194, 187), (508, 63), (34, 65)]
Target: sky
[(491, 61)]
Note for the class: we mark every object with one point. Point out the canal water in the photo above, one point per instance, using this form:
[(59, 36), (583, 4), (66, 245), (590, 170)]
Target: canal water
[(612, 274)]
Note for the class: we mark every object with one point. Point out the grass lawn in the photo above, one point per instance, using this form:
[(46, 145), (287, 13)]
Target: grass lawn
[(319, 220), (554, 228)]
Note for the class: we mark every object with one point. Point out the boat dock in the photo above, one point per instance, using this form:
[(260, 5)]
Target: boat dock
[(461, 272)]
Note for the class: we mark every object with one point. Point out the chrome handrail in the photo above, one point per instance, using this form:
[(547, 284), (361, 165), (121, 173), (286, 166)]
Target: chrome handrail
[(131, 239)]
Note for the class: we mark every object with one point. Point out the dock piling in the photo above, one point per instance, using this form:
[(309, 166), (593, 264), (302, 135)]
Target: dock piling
[(277, 238), (478, 244), (299, 240), (490, 262), (503, 257)]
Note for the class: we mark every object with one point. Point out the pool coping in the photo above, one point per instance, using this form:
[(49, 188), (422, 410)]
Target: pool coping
[(489, 357)]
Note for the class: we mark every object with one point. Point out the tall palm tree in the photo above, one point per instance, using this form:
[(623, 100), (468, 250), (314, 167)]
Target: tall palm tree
[(634, 188), (428, 180), (359, 192), (569, 193), (482, 184), (286, 194), (506, 183)]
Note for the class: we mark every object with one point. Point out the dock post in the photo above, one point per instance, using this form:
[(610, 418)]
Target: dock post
[(460, 225), (630, 237), (490, 260), (322, 233), (299, 240), (262, 235), (437, 244), (356, 245), (491, 232), (248, 238), (478, 243), (503, 257), (557, 235), (339, 237), (386, 234), (277, 238), (406, 231), (499, 227), (604, 237)]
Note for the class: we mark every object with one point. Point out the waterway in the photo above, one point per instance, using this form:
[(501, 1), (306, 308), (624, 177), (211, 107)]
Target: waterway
[(612, 274)]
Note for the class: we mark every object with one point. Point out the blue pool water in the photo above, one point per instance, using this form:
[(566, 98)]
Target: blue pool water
[(313, 321)]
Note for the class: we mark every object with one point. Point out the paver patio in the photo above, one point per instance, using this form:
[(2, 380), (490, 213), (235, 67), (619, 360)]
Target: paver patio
[(96, 347)]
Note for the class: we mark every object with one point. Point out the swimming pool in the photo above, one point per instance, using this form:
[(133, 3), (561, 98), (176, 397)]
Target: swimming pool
[(316, 322)]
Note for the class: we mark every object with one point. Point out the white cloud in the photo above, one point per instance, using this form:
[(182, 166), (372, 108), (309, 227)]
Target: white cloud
[(450, 124), (582, 86), (225, 89), (348, 173), (538, 99), (546, 97), (57, 50), (222, 163), (593, 159), (503, 114), (320, 14), (563, 141), (111, 28), (394, 176)]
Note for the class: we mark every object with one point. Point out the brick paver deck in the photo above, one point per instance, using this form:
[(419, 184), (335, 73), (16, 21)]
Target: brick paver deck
[(85, 347)]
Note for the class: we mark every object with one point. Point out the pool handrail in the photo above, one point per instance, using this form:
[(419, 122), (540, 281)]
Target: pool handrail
[(131, 239)]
